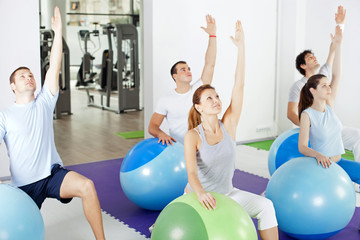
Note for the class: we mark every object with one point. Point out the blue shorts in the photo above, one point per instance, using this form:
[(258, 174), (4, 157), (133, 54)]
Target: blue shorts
[(47, 187)]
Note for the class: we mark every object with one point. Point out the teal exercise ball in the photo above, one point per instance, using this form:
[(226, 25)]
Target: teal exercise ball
[(20, 217), (152, 174), (185, 218), (310, 201)]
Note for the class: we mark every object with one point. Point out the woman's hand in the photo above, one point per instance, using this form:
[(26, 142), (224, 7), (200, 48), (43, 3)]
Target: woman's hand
[(323, 160), (238, 38), (207, 200)]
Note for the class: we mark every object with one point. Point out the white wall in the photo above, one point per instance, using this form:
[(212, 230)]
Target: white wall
[(347, 104), (173, 33), (306, 24), (291, 41), (19, 47)]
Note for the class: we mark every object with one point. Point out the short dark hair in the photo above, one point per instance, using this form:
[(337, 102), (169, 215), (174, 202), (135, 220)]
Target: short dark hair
[(300, 60), (173, 69), (12, 76)]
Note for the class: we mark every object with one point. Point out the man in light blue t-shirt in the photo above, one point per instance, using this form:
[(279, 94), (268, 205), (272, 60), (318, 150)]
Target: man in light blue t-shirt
[(27, 130)]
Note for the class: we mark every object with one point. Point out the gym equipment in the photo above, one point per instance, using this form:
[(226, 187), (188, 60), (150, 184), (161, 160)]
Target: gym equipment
[(185, 218), (63, 104), (20, 217), (86, 74), (311, 202), (123, 77), (152, 174)]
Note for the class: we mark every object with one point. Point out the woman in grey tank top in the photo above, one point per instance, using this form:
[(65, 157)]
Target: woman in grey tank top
[(210, 148)]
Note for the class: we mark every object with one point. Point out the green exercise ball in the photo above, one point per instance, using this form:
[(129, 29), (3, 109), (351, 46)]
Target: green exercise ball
[(185, 218)]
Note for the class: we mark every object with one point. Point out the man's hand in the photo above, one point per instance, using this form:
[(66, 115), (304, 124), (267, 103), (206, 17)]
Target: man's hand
[(211, 25), (56, 24), (340, 15), (164, 138)]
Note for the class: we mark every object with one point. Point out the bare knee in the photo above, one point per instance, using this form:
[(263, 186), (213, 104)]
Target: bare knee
[(87, 187)]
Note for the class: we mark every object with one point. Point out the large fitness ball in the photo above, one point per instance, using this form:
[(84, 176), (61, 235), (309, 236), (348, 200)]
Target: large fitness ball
[(185, 218), (152, 174), (20, 218), (311, 202), (284, 148)]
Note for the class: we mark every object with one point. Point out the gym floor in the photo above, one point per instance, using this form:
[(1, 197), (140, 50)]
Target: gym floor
[(88, 135)]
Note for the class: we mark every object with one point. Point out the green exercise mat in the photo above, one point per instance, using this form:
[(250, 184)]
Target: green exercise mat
[(265, 145), (131, 134)]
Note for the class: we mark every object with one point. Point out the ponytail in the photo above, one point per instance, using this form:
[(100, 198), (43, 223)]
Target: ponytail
[(306, 97), (306, 100), (194, 116)]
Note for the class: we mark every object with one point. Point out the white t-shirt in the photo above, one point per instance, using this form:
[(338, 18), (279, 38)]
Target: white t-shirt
[(175, 107), (27, 130), (294, 94)]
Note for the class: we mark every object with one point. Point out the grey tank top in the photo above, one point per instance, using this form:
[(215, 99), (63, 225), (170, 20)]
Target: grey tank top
[(216, 163)]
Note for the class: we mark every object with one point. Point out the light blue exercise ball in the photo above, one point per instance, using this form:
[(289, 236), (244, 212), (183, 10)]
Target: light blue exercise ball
[(152, 174), (20, 218), (311, 202)]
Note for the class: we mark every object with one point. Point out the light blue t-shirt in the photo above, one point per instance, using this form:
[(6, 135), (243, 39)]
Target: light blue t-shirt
[(325, 132), (27, 130)]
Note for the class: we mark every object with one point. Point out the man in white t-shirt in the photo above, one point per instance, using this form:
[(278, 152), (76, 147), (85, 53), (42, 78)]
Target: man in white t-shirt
[(307, 65), (27, 130), (175, 105)]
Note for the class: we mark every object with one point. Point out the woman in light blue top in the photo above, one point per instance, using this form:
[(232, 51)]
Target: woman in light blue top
[(320, 125), (210, 149)]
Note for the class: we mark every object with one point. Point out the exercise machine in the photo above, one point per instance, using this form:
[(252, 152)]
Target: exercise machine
[(122, 77), (63, 104), (86, 74)]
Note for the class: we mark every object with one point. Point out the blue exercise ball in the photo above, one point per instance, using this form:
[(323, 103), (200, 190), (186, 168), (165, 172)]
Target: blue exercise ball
[(311, 202), (152, 174), (284, 148), (20, 218)]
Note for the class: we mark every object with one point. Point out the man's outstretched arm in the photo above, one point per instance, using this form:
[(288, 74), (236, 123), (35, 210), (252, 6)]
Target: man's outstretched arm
[(52, 75)]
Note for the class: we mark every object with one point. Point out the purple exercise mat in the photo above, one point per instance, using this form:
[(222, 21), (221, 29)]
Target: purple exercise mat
[(105, 175)]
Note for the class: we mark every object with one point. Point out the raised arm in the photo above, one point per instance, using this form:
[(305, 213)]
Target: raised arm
[(52, 75), (340, 17), (191, 141), (232, 114), (210, 56), (304, 139), (337, 68)]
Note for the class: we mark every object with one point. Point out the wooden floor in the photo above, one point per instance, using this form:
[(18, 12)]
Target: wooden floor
[(88, 135)]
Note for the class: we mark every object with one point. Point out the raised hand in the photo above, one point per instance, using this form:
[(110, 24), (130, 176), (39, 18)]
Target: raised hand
[(238, 39), (56, 24), (210, 25), (340, 15), (337, 38)]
